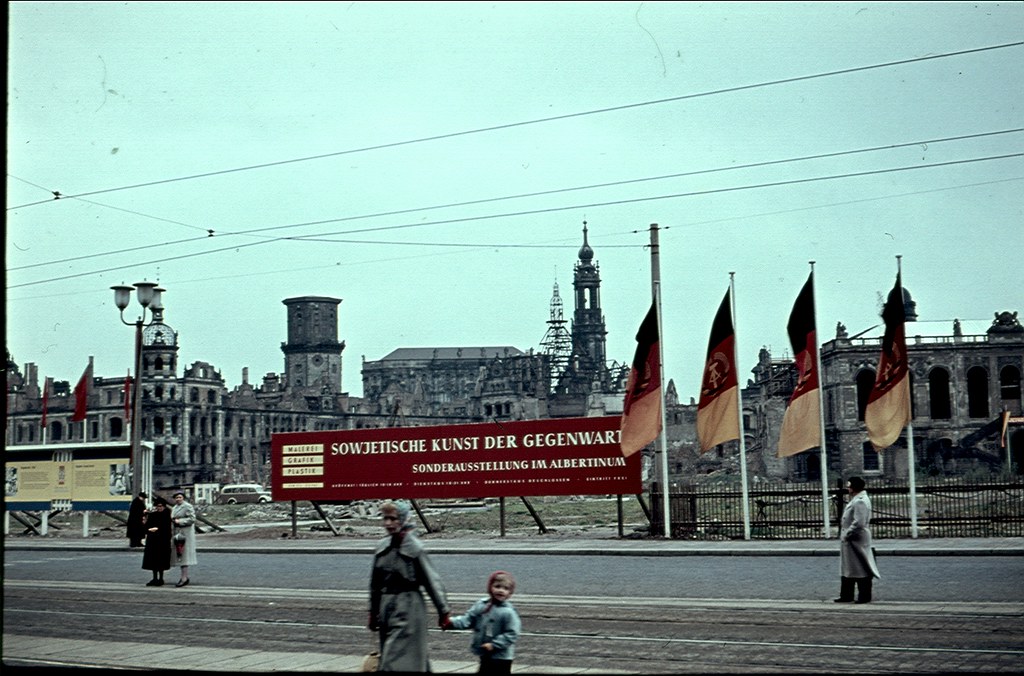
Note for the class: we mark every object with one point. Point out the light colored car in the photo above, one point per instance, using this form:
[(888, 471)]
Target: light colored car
[(234, 494)]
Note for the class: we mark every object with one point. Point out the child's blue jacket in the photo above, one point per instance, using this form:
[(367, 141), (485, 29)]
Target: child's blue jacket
[(498, 625)]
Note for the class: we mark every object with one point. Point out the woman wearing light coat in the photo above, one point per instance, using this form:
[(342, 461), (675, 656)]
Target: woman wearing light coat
[(183, 519), (402, 571), (856, 556)]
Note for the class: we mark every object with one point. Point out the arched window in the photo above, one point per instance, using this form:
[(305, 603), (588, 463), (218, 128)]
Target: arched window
[(158, 425), (865, 383), (1009, 387), (158, 364), (211, 396), (977, 393), (938, 394), (158, 391)]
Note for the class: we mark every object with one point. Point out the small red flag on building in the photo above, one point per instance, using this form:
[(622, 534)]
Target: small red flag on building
[(717, 417), (82, 394), (641, 411), (888, 408), (801, 424)]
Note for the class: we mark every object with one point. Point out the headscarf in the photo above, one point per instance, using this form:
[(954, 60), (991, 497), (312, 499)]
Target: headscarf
[(506, 574), (403, 507)]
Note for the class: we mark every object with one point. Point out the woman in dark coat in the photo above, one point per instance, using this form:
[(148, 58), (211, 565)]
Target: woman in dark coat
[(157, 556)]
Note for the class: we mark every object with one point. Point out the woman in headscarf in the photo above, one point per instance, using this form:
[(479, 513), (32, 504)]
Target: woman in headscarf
[(401, 569)]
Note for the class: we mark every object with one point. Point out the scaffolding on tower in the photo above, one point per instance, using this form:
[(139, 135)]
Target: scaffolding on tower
[(557, 341)]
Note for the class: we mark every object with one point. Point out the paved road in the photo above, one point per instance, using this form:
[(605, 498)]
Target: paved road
[(261, 626)]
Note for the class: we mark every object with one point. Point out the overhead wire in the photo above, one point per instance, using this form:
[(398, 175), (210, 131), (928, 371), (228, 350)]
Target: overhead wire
[(319, 237), (698, 172), (522, 123)]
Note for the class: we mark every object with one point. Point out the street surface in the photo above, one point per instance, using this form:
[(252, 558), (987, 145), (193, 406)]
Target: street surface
[(641, 614)]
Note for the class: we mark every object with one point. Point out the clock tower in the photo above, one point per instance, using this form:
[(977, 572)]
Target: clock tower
[(312, 353)]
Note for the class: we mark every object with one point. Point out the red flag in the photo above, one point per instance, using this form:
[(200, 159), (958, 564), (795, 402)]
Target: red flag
[(46, 401), (801, 424), (127, 396), (717, 418), (888, 408), (641, 412), (81, 394)]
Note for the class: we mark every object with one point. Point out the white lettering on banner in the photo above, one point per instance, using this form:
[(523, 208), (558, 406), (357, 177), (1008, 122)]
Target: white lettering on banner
[(505, 441), (307, 484), (302, 448), (303, 460), (541, 439), (470, 466), (302, 471), (455, 444), (378, 447)]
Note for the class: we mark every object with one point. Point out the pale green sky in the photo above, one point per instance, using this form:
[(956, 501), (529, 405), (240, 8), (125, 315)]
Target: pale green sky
[(330, 117)]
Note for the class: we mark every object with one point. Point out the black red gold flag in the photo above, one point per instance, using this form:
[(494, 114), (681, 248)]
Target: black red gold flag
[(888, 408), (717, 415), (641, 411), (801, 424)]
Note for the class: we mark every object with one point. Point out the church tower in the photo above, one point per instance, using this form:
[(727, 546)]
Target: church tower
[(588, 329), (312, 354)]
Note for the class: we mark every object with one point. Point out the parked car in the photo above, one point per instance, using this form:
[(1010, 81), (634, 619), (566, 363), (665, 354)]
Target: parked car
[(234, 494)]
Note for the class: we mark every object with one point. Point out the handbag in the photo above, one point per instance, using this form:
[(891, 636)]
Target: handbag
[(371, 661), (179, 537)]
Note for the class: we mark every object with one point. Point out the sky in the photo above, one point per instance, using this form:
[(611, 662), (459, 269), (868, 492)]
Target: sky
[(432, 165)]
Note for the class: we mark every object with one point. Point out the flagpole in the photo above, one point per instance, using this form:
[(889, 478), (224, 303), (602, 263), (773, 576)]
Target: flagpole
[(662, 444), (821, 417), (739, 408), (911, 470)]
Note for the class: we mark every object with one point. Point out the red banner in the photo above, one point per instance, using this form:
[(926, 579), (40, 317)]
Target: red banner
[(567, 456)]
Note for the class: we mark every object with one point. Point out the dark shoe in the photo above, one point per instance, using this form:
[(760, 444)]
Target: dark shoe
[(153, 583), (863, 601), (181, 583), (158, 583), (842, 600)]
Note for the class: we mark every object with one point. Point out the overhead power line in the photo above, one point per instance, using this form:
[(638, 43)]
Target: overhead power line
[(320, 236), (541, 193), (511, 125)]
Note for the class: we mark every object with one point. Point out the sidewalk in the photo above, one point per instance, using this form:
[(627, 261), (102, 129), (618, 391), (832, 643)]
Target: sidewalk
[(27, 651), (550, 543)]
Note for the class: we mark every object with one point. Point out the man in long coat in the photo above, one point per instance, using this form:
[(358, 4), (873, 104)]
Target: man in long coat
[(136, 526), (856, 556)]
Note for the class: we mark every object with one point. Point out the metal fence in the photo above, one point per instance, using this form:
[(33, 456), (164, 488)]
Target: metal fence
[(785, 511)]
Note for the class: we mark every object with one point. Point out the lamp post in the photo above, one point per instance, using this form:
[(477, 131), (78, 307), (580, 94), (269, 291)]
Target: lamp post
[(149, 295)]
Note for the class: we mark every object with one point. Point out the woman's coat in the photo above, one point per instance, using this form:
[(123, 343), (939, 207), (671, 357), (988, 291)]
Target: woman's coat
[(186, 513), (401, 573), (157, 555), (856, 558)]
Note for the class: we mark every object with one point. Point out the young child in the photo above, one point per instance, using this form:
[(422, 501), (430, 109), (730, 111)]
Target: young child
[(495, 624)]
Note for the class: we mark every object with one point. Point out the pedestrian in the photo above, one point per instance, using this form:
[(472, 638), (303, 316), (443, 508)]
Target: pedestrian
[(183, 519), (136, 526), (856, 555), (495, 624), (157, 555), (401, 569)]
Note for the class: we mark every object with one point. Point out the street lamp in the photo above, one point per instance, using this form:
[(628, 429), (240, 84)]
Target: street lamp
[(150, 296)]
